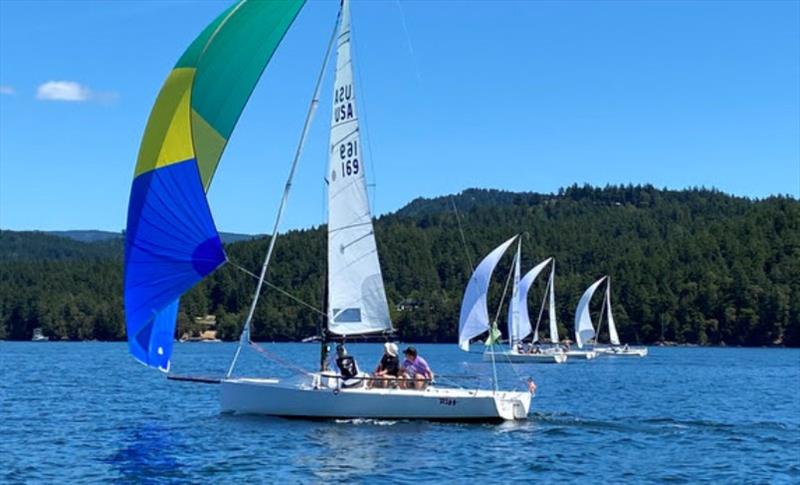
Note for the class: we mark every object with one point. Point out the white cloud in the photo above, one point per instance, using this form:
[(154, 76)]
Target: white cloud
[(63, 91), (7, 90)]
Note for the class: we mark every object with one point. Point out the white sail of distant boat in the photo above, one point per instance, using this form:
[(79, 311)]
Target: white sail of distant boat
[(514, 307), (616, 348), (356, 296), (584, 329), (551, 306), (474, 318), (612, 327), (525, 285), (519, 325)]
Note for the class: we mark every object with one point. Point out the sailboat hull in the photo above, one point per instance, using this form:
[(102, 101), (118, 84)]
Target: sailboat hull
[(516, 358), (622, 352), (581, 354), (311, 400)]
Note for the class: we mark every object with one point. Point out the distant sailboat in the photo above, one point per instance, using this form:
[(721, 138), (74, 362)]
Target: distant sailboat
[(162, 264), (519, 325), (615, 349), (584, 330)]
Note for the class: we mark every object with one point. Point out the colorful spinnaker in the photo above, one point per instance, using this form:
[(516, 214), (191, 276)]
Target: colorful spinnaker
[(171, 241)]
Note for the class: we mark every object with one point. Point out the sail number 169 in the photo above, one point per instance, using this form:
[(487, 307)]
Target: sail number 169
[(346, 151)]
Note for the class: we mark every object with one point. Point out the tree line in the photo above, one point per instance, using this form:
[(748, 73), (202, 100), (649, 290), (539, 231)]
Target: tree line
[(690, 266)]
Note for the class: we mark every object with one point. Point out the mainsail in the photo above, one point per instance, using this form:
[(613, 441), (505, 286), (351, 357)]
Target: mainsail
[(171, 242), (551, 306), (612, 327), (525, 285), (474, 319), (356, 296), (584, 330), (514, 306)]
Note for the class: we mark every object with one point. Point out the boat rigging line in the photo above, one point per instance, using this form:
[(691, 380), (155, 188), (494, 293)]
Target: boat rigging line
[(461, 232), (279, 289)]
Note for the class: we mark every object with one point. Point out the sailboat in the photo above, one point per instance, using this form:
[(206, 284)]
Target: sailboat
[(615, 349), (172, 243), (519, 325), (584, 329)]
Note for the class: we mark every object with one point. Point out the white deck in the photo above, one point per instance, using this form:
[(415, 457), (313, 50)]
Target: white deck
[(312, 399)]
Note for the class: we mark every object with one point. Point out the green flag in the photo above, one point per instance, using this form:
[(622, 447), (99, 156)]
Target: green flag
[(494, 336)]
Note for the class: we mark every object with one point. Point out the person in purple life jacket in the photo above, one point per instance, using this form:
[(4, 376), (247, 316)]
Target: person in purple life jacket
[(416, 370)]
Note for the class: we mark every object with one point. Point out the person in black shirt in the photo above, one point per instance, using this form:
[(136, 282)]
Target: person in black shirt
[(348, 368), (388, 368)]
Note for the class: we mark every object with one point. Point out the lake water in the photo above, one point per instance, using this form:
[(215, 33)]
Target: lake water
[(86, 412)]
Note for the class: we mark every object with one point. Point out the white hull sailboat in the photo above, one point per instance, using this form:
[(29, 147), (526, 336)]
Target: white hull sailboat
[(357, 302), (519, 325), (584, 329), (615, 349), (621, 351), (166, 255), (313, 397)]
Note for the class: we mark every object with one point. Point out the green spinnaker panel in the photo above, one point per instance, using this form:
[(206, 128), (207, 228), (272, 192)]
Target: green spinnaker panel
[(238, 49)]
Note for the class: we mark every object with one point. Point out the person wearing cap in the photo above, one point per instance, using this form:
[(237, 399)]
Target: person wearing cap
[(348, 369), (416, 369), (388, 368)]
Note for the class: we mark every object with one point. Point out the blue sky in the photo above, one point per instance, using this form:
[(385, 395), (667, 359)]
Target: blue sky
[(523, 96)]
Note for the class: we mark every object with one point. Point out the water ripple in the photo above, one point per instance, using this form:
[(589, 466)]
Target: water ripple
[(88, 413)]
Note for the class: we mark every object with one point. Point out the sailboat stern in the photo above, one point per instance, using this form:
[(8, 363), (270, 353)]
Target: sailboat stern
[(512, 405)]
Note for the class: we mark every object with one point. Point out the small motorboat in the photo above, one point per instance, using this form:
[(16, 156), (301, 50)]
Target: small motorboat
[(38, 336)]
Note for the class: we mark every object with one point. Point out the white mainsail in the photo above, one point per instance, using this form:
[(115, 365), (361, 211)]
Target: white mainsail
[(525, 285), (474, 319), (551, 306), (612, 327), (356, 296), (514, 305), (584, 330)]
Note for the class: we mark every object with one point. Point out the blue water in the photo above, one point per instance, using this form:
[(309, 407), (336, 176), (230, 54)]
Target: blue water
[(86, 412)]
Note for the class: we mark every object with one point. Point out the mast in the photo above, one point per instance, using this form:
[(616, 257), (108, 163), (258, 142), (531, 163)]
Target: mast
[(312, 109)]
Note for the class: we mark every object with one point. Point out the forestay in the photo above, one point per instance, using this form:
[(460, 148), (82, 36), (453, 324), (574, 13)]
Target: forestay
[(584, 330), (356, 297), (525, 284), (474, 319)]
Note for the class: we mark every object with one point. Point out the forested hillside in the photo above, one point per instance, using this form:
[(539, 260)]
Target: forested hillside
[(692, 266)]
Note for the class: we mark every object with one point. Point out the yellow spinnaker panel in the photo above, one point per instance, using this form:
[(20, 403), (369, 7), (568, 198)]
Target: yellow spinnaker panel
[(168, 136)]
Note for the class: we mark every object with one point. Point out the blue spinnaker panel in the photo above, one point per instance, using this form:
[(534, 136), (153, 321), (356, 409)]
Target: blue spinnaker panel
[(153, 344), (170, 246)]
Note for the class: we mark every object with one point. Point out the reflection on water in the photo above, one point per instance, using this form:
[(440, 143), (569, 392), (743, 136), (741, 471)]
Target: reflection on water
[(147, 454)]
